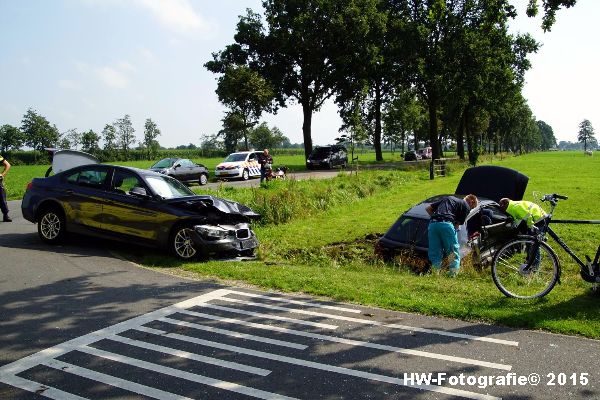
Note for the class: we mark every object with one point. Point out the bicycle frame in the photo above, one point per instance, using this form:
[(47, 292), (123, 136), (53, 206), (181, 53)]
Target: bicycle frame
[(590, 265)]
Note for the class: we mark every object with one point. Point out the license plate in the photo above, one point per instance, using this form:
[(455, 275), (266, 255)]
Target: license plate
[(248, 244)]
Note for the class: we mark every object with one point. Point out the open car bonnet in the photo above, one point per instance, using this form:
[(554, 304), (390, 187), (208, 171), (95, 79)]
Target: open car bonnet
[(222, 205), (493, 182)]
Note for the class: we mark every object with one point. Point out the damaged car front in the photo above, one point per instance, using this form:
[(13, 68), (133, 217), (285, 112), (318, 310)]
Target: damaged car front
[(486, 227), (224, 231)]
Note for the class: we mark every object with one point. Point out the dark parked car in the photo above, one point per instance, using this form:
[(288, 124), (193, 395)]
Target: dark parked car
[(490, 184), (327, 157), (411, 155), (182, 169), (140, 207)]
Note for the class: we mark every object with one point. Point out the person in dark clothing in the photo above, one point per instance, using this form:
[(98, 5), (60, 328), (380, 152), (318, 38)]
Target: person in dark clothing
[(266, 164), (446, 216), (3, 204)]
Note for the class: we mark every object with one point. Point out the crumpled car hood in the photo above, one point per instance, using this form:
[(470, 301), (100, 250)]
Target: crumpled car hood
[(222, 205)]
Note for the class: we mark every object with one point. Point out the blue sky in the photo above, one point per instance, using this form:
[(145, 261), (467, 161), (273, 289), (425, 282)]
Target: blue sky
[(85, 63)]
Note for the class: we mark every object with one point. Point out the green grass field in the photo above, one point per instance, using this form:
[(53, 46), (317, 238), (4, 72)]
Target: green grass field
[(318, 238)]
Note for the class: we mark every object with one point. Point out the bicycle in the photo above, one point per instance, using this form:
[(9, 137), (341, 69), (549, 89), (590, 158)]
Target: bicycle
[(526, 267)]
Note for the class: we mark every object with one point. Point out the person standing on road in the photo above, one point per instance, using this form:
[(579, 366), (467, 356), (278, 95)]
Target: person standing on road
[(266, 164), (447, 215), (3, 204)]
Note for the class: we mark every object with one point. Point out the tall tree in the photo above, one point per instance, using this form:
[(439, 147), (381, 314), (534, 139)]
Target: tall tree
[(109, 135), (246, 93), (11, 138), (263, 137), (586, 133), (38, 132), (125, 135), (70, 139), (90, 142), (298, 49), (151, 132), (547, 134)]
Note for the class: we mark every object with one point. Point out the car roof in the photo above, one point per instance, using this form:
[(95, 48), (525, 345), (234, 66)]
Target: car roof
[(493, 182), (418, 211)]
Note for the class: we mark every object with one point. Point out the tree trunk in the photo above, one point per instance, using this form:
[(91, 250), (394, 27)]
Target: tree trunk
[(460, 137), (377, 133), (306, 128), (432, 102)]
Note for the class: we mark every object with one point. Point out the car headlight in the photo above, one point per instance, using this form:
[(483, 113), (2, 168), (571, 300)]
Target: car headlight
[(212, 232), (308, 161)]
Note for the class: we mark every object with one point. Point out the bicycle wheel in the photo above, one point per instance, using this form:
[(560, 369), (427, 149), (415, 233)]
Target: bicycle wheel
[(515, 278)]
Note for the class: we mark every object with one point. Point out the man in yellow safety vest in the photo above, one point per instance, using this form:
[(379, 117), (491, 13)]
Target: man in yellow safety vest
[(523, 210)]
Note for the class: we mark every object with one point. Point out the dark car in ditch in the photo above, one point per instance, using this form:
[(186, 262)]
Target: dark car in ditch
[(486, 227), (182, 169), (138, 207)]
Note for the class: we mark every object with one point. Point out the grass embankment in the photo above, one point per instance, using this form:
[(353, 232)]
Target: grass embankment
[(326, 247)]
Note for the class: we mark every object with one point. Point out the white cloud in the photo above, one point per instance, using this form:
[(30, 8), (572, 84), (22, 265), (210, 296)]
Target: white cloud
[(112, 77), (177, 15)]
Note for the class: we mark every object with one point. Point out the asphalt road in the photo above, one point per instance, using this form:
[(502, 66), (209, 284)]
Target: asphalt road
[(77, 322)]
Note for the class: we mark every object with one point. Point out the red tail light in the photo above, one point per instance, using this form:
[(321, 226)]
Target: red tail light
[(29, 185)]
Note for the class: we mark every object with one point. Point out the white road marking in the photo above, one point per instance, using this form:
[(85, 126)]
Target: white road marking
[(351, 342), (190, 356), (234, 334), (233, 387), (42, 390), (9, 373), (114, 381), (374, 323), (299, 302), (327, 367), (268, 316)]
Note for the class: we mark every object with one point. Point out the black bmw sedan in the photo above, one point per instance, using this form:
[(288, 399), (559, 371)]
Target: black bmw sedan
[(137, 206)]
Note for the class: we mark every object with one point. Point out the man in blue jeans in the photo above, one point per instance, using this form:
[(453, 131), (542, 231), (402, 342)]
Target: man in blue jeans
[(446, 216)]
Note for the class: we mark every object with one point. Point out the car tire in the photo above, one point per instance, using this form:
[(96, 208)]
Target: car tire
[(51, 225), (181, 244), (245, 175), (203, 179)]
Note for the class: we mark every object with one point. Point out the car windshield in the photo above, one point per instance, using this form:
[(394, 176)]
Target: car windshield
[(321, 151), (165, 163), (235, 157), (168, 188)]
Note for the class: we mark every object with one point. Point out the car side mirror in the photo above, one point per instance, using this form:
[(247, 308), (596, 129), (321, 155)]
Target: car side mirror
[(176, 166), (139, 192)]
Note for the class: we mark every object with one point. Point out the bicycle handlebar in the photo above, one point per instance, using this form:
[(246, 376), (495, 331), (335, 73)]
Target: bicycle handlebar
[(554, 197)]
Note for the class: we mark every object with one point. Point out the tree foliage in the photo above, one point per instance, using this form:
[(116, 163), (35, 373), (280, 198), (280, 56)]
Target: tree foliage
[(11, 138), (38, 132), (586, 133), (125, 134), (550, 8), (151, 132), (90, 142)]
